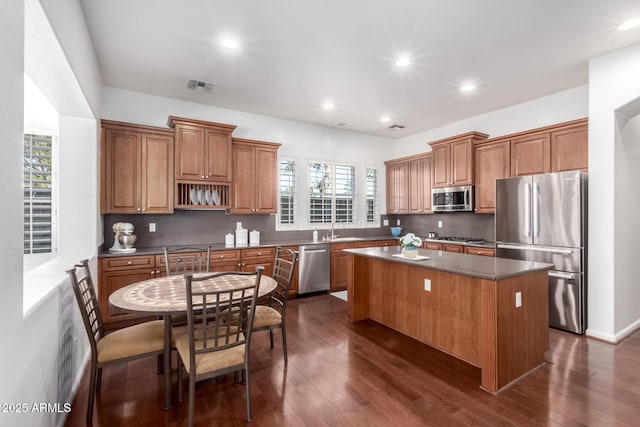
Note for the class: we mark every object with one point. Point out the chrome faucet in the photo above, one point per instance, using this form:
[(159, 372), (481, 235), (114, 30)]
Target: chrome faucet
[(330, 235)]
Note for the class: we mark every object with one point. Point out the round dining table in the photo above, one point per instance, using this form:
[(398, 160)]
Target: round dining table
[(166, 296)]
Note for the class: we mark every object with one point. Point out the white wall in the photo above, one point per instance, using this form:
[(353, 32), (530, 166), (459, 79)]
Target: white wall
[(613, 85), (297, 139), (560, 107), (34, 367)]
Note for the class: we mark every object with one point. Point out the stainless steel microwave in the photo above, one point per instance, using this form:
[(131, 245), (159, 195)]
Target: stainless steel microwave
[(452, 199)]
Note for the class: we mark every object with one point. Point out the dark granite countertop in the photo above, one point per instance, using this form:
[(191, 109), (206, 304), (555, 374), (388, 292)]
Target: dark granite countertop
[(482, 267)]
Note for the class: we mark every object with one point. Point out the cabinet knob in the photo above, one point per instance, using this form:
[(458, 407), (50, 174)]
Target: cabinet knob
[(143, 209), (221, 256), (139, 209), (206, 176), (153, 272), (128, 262), (202, 177), (259, 253)]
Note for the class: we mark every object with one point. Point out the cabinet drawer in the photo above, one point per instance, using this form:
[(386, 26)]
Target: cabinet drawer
[(369, 244), (128, 262), (338, 247), (224, 256), (453, 248), (480, 251), (248, 254), (432, 246)]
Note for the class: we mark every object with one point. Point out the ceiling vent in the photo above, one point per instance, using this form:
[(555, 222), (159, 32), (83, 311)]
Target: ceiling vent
[(395, 127), (195, 84)]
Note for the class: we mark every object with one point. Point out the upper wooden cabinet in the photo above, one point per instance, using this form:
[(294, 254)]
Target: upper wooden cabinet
[(397, 195), (570, 148), (557, 148), (255, 177), (531, 154), (137, 169), (202, 151), (453, 159), (409, 184), (492, 162)]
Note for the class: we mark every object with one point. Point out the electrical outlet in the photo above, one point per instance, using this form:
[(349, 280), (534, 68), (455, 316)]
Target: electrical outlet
[(439, 224), (427, 285), (518, 299), (152, 227), (385, 222), (398, 222)]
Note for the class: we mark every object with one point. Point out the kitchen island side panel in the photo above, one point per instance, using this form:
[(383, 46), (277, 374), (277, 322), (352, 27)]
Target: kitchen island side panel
[(473, 319)]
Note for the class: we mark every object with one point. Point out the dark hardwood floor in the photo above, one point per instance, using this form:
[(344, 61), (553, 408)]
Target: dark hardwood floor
[(364, 374)]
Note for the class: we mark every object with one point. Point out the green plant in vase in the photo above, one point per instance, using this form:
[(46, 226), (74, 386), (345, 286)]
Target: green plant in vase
[(410, 244)]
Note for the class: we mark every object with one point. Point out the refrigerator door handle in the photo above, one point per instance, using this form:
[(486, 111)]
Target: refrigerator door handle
[(535, 249), (536, 209), (527, 210), (559, 275)]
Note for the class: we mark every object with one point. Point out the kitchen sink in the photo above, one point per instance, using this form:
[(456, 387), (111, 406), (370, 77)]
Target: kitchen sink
[(346, 239)]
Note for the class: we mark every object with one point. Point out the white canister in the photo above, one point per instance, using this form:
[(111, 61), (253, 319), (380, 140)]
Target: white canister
[(242, 236), (254, 238), (228, 241)]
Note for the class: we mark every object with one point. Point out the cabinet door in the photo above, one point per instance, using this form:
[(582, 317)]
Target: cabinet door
[(157, 174), (122, 183), (111, 281), (461, 172), (218, 156), (189, 152), (415, 186), (293, 290), (243, 179), (397, 196), (341, 267), (441, 164), (453, 248), (530, 155), (266, 180), (492, 162), (570, 149), (427, 182)]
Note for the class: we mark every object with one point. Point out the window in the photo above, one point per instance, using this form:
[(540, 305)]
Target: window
[(372, 199), (38, 188), (331, 193), (287, 191)]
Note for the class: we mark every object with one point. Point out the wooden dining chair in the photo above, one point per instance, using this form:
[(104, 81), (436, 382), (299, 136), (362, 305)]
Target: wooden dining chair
[(270, 314), (133, 342), (219, 320)]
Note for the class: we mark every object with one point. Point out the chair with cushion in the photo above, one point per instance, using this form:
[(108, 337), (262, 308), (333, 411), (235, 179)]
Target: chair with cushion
[(270, 314), (219, 321), (133, 342)]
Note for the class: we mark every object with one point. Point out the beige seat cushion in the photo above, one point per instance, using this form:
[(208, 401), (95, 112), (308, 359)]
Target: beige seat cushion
[(213, 361), (266, 316), (134, 340)]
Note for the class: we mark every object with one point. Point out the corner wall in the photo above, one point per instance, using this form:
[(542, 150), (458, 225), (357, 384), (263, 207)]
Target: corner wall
[(613, 85)]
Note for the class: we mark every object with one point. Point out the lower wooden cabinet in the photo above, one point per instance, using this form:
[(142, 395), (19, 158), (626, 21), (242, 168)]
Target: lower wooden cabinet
[(341, 266), (118, 272)]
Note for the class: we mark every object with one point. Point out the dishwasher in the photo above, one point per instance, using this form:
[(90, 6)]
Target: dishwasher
[(314, 265)]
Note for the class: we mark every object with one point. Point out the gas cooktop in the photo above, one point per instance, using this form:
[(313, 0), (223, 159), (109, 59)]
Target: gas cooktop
[(460, 239)]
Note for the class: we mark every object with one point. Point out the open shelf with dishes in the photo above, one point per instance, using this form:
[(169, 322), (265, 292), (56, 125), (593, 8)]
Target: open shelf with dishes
[(202, 196)]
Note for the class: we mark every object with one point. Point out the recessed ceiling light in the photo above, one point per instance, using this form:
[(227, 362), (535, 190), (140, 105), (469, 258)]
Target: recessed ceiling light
[(328, 105), (385, 119), (627, 25), (230, 43), (467, 87), (402, 62)]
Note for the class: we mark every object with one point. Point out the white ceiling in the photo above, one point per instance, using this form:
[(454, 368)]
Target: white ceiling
[(297, 54)]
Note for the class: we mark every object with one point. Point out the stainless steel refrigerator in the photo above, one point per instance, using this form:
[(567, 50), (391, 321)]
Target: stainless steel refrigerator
[(544, 218)]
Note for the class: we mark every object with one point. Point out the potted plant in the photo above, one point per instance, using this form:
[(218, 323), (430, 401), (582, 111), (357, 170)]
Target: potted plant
[(410, 244)]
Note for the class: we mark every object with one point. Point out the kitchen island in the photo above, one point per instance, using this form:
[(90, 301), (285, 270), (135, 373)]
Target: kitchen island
[(490, 312)]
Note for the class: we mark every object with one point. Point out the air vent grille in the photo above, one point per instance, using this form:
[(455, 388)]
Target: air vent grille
[(395, 127), (195, 84)]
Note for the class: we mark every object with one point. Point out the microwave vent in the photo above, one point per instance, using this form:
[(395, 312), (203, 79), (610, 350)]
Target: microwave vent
[(196, 84)]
